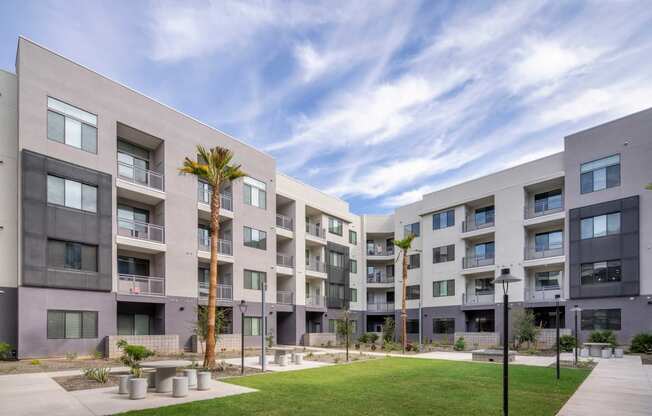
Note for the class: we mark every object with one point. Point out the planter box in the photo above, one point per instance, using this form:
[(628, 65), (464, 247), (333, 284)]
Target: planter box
[(319, 339), (161, 344), (475, 340), (493, 356)]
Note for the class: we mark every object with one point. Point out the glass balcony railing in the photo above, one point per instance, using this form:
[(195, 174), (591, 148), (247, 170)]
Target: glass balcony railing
[(315, 231), (285, 222), (316, 266), (380, 307), (316, 301), (477, 261), (284, 260), (141, 285), (204, 196), (224, 292), (533, 253), (484, 298), (223, 246), (380, 276), (141, 230), (284, 297), (472, 224), (140, 176)]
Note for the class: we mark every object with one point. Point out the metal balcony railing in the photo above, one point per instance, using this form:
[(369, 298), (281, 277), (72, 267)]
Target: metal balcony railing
[(533, 253), (316, 266), (141, 285), (140, 176), (204, 196), (284, 260), (380, 307), (224, 292), (284, 297), (542, 295), (223, 246), (379, 276), (284, 222), (470, 223), (141, 230), (477, 261), (535, 211), (380, 251), (316, 301), (484, 298), (315, 230)]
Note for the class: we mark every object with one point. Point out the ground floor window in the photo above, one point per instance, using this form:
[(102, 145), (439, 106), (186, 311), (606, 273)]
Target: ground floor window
[(135, 324), (443, 325), (601, 319), (412, 326), (480, 321), (71, 324), (252, 326), (547, 317)]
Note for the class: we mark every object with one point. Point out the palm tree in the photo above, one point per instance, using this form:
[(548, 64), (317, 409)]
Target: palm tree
[(404, 245), (214, 167), (649, 187)]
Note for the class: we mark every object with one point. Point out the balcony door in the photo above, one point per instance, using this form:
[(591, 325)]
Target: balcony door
[(133, 162), (133, 266)]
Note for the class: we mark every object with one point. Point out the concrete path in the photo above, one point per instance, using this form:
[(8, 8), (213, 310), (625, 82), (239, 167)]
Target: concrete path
[(252, 362), (621, 387)]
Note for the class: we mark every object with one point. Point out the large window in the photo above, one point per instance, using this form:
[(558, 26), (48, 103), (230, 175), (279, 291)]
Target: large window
[(414, 229), (334, 226), (253, 279), (484, 215), (601, 272), (600, 174), (133, 266), (600, 319), (72, 194), (443, 254), (255, 238), (72, 256), (255, 192), (252, 326), (353, 266), (354, 295), (353, 237), (547, 201), (413, 292), (135, 324), (72, 126), (414, 261), (336, 259), (71, 324), (443, 325), (547, 280), (484, 250), (443, 219), (484, 286), (600, 225), (443, 288), (548, 241)]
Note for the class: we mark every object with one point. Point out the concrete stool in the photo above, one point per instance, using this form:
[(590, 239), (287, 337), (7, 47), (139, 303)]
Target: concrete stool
[(618, 352), (283, 360), (584, 352), (203, 380), (192, 377), (606, 353), (260, 362), (150, 375), (123, 383), (298, 358), (179, 386), (137, 388)]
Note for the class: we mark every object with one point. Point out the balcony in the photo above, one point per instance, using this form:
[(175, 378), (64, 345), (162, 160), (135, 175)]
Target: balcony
[(380, 307), (141, 230), (284, 260), (547, 294), (540, 210), (534, 253), (224, 292), (316, 265), (380, 251), (471, 224), (204, 197), (470, 262), (130, 284), (478, 298), (284, 222), (314, 230), (224, 247), (141, 177), (316, 302), (380, 277), (284, 297)]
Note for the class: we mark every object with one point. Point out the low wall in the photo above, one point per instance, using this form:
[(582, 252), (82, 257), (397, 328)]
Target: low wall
[(161, 344), (548, 337), (475, 340), (320, 339), (225, 342)]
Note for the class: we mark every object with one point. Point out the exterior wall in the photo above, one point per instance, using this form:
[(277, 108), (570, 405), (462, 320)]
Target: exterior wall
[(161, 344)]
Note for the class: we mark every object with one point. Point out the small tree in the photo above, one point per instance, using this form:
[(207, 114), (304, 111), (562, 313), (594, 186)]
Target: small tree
[(524, 327), (132, 355), (201, 324), (344, 330), (389, 326), (605, 336)]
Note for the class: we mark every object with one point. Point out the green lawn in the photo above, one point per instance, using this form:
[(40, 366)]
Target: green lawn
[(393, 386)]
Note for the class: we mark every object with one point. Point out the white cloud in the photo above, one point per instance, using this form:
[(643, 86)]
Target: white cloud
[(312, 62)]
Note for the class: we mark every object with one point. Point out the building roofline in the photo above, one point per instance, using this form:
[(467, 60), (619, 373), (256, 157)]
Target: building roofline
[(313, 188), (615, 120), (141, 94)]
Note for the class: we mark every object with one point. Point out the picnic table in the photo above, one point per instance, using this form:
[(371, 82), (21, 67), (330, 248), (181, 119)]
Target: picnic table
[(595, 348), (281, 351), (165, 372)]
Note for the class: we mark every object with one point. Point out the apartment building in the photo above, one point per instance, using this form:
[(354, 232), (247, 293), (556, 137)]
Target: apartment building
[(100, 236)]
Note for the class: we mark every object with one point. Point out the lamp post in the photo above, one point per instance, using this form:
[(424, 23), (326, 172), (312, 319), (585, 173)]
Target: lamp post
[(557, 332), (243, 310), (505, 279), (577, 310), (263, 318)]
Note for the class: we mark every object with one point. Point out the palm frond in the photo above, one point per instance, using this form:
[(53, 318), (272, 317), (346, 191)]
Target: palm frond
[(406, 243), (212, 165)]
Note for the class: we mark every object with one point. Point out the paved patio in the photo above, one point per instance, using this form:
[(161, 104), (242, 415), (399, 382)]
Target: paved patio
[(252, 362)]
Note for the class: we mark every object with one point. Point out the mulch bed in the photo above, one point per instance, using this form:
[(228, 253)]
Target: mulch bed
[(80, 382), (647, 359), (569, 364), (53, 364), (336, 358), (230, 370)]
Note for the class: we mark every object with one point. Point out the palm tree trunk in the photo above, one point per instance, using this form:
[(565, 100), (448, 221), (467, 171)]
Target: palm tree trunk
[(209, 355), (404, 303)]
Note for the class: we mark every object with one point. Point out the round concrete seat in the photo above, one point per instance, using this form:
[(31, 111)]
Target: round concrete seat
[(203, 380), (260, 361), (283, 360), (298, 358), (179, 386), (191, 373), (123, 383), (606, 353), (137, 388)]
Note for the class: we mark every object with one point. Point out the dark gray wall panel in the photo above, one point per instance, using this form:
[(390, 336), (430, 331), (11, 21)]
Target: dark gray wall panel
[(9, 315)]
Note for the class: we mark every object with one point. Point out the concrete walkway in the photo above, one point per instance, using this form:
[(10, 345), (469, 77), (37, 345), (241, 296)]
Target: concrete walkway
[(252, 362), (621, 387)]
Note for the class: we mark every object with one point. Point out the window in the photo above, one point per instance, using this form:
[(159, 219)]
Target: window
[(412, 326), (254, 280), (354, 295), (334, 226), (133, 162), (353, 237), (443, 254), (71, 324), (546, 201), (548, 241), (600, 319), (353, 266), (135, 324), (443, 288), (72, 256), (414, 261), (443, 325), (547, 280), (484, 286), (443, 220), (336, 259), (484, 250), (133, 266), (600, 174), (600, 225), (255, 193), (72, 194), (72, 126), (484, 215), (601, 272), (413, 292), (414, 229), (255, 238), (252, 326)]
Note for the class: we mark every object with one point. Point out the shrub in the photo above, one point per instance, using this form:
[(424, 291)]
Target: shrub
[(329, 344), (567, 343), (5, 351), (524, 327), (460, 344), (391, 346), (71, 355), (100, 374), (410, 347), (389, 327), (364, 338), (35, 362), (356, 346), (132, 355), (270, 341), (373, 337), (642, 343), (98, 355), (605, 336)]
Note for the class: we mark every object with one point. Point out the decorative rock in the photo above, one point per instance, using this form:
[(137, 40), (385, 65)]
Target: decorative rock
[(137, 388), (191, 374), (123, 383), (618, 352), (203, 380), (179, 386), (606, 353), (298, 358)]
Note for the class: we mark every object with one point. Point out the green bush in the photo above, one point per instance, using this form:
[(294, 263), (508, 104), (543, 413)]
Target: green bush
[(101, 374), (373, 337), (35, 362), (364, 338), (605, 336), (524, 327), (567, 343), (5, 351), (132, 355), (460, 344), (642, 343), (389, 327)]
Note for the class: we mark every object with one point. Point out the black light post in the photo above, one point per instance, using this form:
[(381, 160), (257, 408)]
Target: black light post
[(263, 318), (557, 324), (243, 310), (505, 279), (577, 310)]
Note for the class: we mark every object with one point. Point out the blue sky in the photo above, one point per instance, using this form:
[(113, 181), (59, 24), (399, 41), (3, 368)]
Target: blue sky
[(377, 102)]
